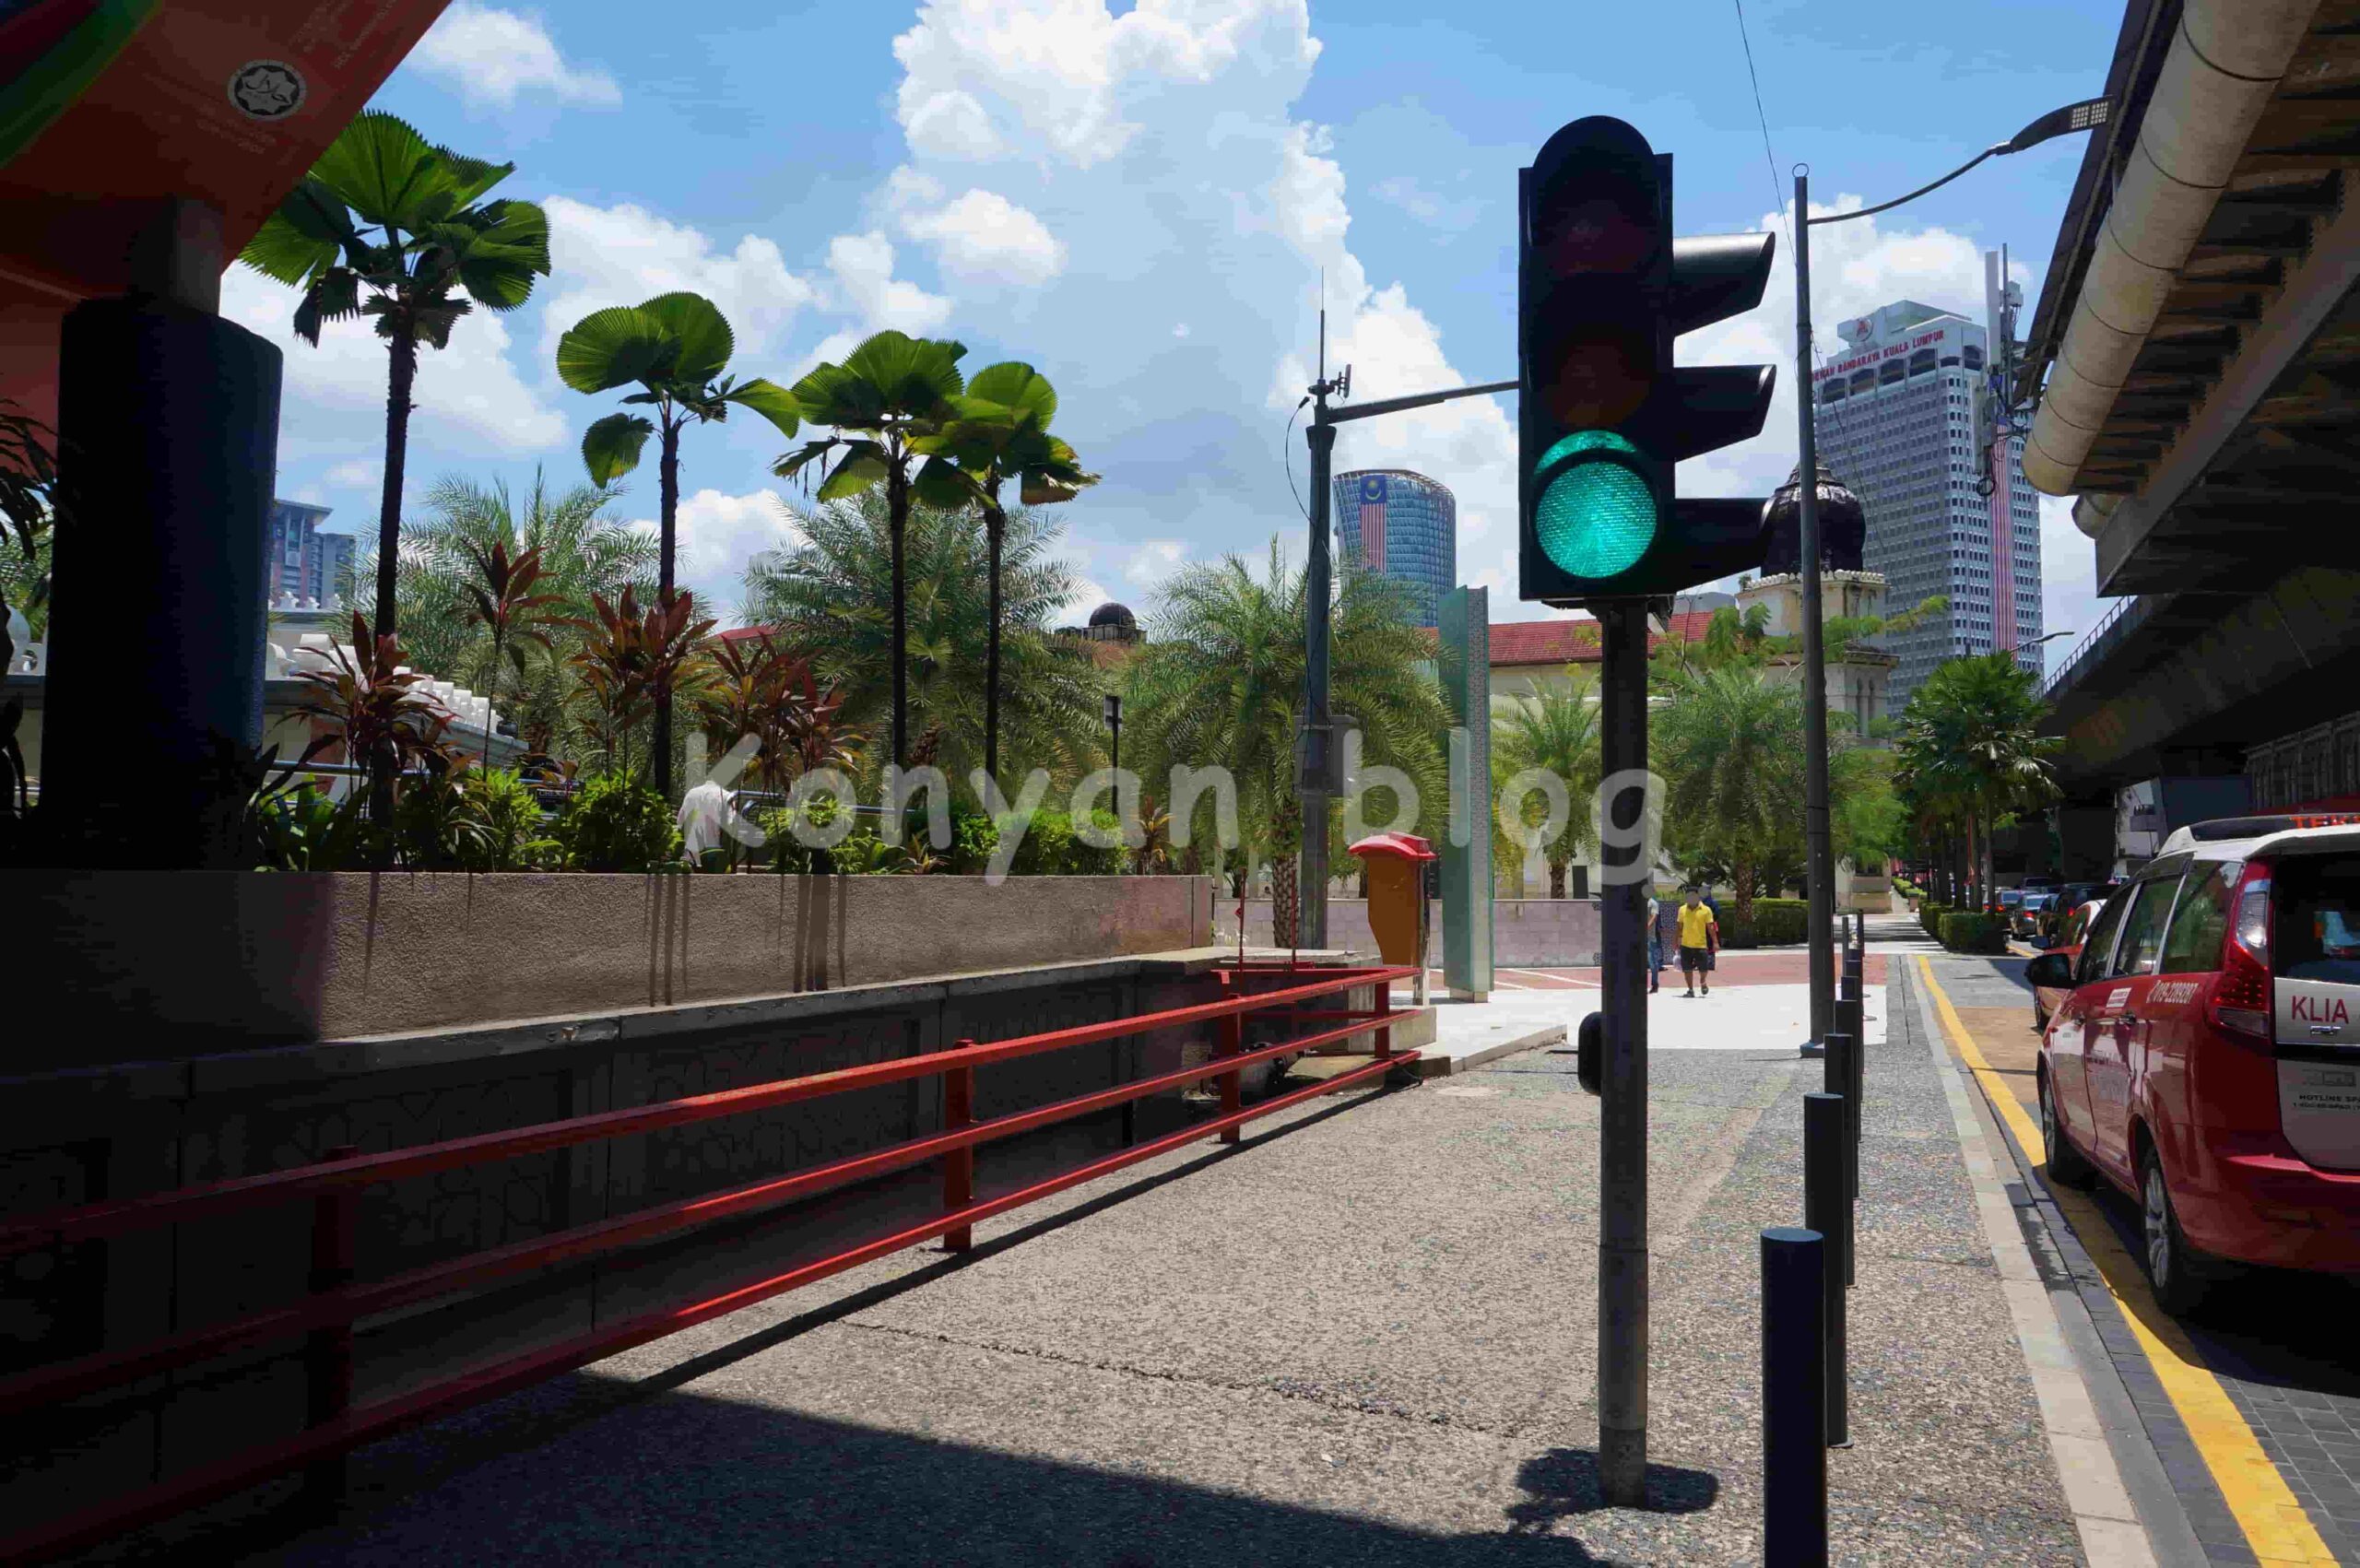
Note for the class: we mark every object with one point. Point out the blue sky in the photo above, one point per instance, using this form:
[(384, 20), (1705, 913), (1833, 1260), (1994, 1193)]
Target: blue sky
[(1139, 198)]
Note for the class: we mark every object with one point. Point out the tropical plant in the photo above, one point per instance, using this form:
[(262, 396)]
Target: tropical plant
[(27, 512), (1730, 750), (389, 225), (617, 824), (308, 829), (507, 816), (506, 606), (891, 395), (379, 708), (675, 348), (1971, 749), (1219, 683), (829, 595), (628, 655), (434, 828), (999, 430), (1554, 729), (754, 685)]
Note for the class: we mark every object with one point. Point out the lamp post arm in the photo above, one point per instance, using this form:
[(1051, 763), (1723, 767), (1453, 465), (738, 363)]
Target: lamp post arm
[(1416, 400), (1898, 201)]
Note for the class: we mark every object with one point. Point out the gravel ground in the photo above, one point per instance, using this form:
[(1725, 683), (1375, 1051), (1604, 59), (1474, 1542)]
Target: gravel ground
[(1367, 1336)]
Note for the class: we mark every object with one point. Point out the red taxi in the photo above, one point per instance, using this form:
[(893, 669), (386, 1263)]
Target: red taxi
[(2205, 1051)]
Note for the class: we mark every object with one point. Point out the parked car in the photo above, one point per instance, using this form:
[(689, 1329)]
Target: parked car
[(2203, 1053), (2009, 901), (2025, 920)]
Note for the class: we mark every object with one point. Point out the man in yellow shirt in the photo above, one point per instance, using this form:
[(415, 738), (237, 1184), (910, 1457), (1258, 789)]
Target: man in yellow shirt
[(1696, 943)]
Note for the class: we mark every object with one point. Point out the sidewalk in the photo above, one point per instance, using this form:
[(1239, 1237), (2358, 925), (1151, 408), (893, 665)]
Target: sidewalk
[(1366, 1336)]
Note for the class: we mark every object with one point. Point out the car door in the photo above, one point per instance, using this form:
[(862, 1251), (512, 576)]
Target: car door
[(2172, 1022), (2068, 1032), (2114, 1036)]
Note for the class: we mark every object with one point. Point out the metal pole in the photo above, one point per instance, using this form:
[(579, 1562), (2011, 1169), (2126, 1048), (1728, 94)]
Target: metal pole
[(1622, 1141), (1820, 863), (1794, 1398), (1826, 1209), (1313, 890), (1842, 1076)]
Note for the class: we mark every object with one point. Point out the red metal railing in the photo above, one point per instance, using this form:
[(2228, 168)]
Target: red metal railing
[(323, 1319)]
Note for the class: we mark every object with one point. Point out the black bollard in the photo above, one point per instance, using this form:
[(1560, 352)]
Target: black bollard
[(1827, 1209), (1842, 1071), (1794, 1398)]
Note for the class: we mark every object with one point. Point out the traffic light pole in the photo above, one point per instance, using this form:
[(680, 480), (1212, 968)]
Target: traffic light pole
[(1819, 857), (1318, 593), (1623, 1126)]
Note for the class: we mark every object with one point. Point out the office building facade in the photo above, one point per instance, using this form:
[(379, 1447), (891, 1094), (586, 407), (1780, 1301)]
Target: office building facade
[(1405, 525), (306, 565), (1908, 416)]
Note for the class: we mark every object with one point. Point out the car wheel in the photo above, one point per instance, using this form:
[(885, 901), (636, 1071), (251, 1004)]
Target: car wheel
[(2172, 1264), (2066, 1166)]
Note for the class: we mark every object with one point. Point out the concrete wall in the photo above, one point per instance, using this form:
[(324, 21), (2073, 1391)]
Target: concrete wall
[(170, 965), (1525, 932)]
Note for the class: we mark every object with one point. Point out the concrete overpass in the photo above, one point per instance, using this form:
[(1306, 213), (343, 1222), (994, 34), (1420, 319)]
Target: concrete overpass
[(2196, 359)]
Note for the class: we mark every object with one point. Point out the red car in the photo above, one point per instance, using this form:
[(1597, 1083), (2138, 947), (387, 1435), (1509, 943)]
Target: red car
[(2205, 1055)]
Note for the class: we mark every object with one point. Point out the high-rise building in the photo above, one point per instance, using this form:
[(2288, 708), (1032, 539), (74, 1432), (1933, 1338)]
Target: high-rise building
[(1404, 525), (1907, 417), (305, 564)]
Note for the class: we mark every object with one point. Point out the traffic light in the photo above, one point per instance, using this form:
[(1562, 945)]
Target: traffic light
[(1602, 289)]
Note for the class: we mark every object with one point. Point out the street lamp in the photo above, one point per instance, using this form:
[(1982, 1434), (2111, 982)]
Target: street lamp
[(2027, 647), (1819, 855), (1114, 711)]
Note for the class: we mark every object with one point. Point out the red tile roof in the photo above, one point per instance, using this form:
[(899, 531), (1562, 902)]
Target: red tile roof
[(1577, 641)]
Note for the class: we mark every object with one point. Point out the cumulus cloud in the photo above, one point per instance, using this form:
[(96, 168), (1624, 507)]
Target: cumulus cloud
[(468, 394), (716, 535), (621, 254), (491, 57), (983, 239), (862, 265)]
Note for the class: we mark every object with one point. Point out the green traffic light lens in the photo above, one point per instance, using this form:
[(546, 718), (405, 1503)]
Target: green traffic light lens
[(1596, 515)]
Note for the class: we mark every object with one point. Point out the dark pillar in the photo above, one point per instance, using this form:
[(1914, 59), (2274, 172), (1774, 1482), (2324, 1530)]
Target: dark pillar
[(2085, 836), (168, 437), (1623, 1116)]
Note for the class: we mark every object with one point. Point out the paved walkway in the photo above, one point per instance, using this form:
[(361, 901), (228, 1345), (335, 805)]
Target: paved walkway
[(1366, 1336)]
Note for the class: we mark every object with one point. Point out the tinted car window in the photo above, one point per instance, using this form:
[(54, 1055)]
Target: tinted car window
[(2100, 939), (2318, 917), (2193, 944), (2143, 930)]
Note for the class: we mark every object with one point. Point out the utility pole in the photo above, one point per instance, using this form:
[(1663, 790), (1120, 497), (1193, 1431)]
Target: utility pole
[(1819, 858), (1316, 775)]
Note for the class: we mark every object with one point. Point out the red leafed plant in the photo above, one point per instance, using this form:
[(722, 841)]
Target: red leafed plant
[(627, 653), (380, 710), (755, 686)]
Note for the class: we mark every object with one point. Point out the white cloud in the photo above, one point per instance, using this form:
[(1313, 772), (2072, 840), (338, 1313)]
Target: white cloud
[(622, 254), (490, 57), (715, 536), (355, 474), (983, 238), (469, 392), (2069, 579), (1429, 207), (1148, 561), (866, 287)]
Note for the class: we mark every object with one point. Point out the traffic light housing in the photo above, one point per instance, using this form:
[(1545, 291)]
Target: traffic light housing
[(1602, 289)]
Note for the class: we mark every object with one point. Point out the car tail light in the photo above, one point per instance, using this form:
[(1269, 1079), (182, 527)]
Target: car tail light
[(2241, 1000)]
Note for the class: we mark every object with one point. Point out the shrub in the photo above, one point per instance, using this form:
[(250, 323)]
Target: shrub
[(303, 830), (1047, 844), (508, 814), (1965, 932), (973, 836), (1929, 916), (1088, 860), (1776, 922), (619, 824)]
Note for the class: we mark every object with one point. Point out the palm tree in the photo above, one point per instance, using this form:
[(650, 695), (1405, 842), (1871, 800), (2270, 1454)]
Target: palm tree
[(674, 348), (1970, 737), (889, 397), (1219, 681), (389, 226), (1001, 430), (830, 596), (1555, 729), (1731, 749)]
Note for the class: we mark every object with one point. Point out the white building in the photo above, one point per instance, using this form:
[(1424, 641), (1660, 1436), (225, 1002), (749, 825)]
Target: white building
[(1907, 417)]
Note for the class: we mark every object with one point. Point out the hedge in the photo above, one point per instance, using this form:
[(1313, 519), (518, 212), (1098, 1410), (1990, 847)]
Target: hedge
[(1929, 916), (1965, 932), (1776, 922)]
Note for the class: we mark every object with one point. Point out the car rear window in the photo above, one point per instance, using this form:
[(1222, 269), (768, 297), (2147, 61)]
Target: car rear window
[(2318, 917), (2193, 944)]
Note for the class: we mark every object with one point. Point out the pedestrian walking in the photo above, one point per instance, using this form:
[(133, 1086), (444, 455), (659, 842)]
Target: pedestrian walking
[(1655, 944), (1696, 929)]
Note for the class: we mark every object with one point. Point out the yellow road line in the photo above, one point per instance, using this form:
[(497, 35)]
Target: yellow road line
[(2265, 1508)]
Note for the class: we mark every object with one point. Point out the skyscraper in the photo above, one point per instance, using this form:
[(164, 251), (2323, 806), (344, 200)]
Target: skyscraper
[(304, 562), (1907, 417), (1404, 525)]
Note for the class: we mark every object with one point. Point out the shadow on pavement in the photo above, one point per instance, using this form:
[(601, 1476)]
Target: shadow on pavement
[(1563, 1482)]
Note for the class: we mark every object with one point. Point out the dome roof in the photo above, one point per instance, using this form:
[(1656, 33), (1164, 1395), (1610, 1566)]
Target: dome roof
[(1113, 614)]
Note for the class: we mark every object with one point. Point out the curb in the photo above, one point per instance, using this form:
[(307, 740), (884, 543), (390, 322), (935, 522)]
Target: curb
[(1441, 1066)]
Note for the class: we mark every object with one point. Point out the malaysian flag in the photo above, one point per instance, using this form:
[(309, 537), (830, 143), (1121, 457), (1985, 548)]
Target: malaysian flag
[(1372, 522)]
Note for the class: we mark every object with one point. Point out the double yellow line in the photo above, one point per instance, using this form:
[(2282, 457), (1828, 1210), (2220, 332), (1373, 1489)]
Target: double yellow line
[(2265, 1508)]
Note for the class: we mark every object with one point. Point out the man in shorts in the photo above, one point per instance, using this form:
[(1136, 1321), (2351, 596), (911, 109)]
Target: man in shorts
[(1695, 943)]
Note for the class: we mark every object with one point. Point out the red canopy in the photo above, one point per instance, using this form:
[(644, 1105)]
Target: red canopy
[(1407, 846)]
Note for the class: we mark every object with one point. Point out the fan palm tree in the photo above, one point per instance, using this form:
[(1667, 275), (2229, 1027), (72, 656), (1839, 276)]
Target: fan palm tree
[(1555, 729), (387, 225), (1730, 750), (674, 348), (830, 596), (1001, 430), (891, 395), (1219, 681)]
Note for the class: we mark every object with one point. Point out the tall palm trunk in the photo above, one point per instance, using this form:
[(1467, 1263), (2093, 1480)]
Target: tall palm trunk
[(400, 379), (1741, 875), (1286, 901), (897, 520), (1556, 878), (995, 528), (491, 693), (667, 480)]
